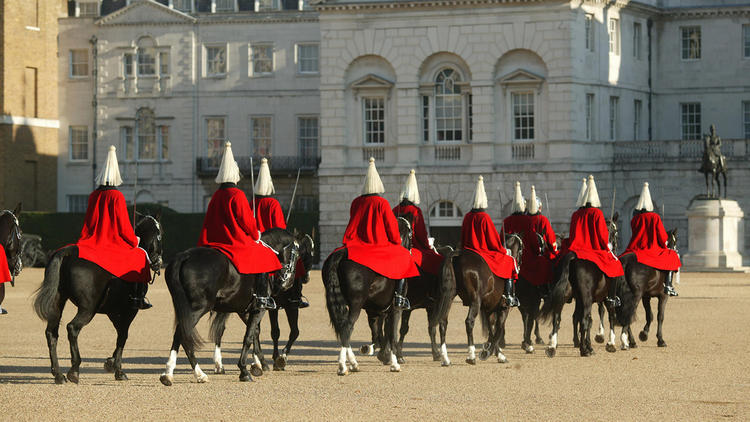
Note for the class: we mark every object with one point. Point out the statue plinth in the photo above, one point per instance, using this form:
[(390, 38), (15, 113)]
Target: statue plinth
[(716, 235)]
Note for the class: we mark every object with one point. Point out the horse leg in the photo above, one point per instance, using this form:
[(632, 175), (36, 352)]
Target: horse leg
[(632, 344), (167, 378), (252, 325), (610, 347), (643, 335), (660, 320), (51, 332), (392, 324), (369, 349), (537, 337), (273, 318), (443, 326), (122, 325), (585, 327), (528, 325), (346, 355), (432, 324), (552, 348), (577, 312), (82, 318), (259, 364), (292, 317), (501, 316), (218, 365), (470, 318), (405, 315), (599, 337)]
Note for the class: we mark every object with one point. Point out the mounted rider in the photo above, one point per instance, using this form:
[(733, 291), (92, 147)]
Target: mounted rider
[(589, 238), (649, 241), (230, 227), (537, 268), (427, 259), (517, 221), (269, 215), (479, 235), (108, 238)]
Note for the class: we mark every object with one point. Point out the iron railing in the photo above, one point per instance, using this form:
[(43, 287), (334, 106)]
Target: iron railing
[(208, 166)]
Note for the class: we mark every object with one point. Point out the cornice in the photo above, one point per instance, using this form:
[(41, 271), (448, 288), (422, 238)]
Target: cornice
[(187, 19), (394, 5)]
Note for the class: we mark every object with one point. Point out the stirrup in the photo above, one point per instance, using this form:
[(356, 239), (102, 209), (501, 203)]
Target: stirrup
[(613, 302), (141, 303), (265, 302), (670, 291), (400, 302), (511, 301)]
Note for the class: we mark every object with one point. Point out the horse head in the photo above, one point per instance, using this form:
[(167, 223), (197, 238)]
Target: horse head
[(672, 239), (514, 244), (287, 250), (10, 237), (306, 253), (404, 229), (614, 232), (149, 233)]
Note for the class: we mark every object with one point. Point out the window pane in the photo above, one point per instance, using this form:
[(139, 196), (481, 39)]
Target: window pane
[(746, 118), (262, 59), (127, 64), (589, 116), (146, 61), (77, 203), (88, 9), (79, 63), (523, 116), (164, 63), (614, 36), (307, 138), (79, 143), (216, 60), (691, 121), (613, 117), (182, 5), (225, 5), (691, 43), (146, 129), (374, 120), (589, 31), (449, 106), (164, 141), (126, 140), (308, 58), (746, 39), (261, 136), (215, 137)]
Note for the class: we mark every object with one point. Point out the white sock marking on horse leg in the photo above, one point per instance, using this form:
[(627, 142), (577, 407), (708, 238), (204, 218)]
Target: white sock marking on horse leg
[(171, 363), (472, 352), (500, 356), (611, 337), (370, 349), (200, 376), (601, 329), (553, 341), (624, 339), (395, 367), (256, 360), (444, 360), (217, 359), (352, 360), (343, 369)]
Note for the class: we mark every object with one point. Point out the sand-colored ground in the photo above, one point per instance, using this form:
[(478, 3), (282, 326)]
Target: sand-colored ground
[(703, 374)]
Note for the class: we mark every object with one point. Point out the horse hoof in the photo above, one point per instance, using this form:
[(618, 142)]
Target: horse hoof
[(435, 358), (585, 353), (445, 363), (643, 336), (246, 378), (661, 343), (367, 349), (576, 343), (610, 348), (624, 347), (343, 370), (401, 360), (501, 358), (166, 379), (599, 338), (73, 377), (471, 361), (633, 344), (60, 379), (354, 368), (120, 376), (256, 370), (279, 364), (266, 367), (202, 379), (395, 368), (484, 355), (539, 341), (109, 365), (551, 352), (219, 370)]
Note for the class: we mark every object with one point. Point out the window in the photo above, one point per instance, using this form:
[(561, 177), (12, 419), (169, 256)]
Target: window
[(262, 60), (307, 137), (307, 58), (264, 5), (79, 63), (32, 14), (637, 40), (589, 116), (637, 106), (445, 209), (182, 5), (146, 130), (589, 31), (30, 93), (691, 121), (691, 43), (79, 143), (163, 133), (88, 9), (614, 36), (127, 64), (78, 203), (613, 117), (523, 116), (224, 5), (448, 107), (146, 62), (126, 142), (261, 136), (373, 110), (746, 40), (215, 137), (746, 118), (425, 118), (164, 63), (216, 61)]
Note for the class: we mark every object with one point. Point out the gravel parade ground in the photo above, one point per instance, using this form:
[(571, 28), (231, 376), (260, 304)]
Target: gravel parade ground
[(703, 374)]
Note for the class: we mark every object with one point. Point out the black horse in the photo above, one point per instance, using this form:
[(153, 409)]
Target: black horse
[(204, 279), (471, 278), (648, 282), (10, 239), (530, 298), (351, 287), (94, 291), (282, 299), (583, 280)]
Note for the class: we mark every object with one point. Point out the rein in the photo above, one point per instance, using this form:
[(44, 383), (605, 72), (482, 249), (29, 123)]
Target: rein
[(156, 272), (15, 231)]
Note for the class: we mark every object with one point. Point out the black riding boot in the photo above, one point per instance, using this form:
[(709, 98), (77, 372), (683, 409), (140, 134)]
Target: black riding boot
[(399, 300), (296, 300), (612, 300), (510, 293), (668, 288), (262, 294), (138, 298)]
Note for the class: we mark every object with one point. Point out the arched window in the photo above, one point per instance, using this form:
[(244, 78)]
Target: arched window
[(449, 107), (146, 57), (446, 210)]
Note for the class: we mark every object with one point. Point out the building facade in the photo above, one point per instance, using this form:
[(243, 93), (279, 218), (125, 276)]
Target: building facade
[(169, 82), (28, 104), (544, 92)]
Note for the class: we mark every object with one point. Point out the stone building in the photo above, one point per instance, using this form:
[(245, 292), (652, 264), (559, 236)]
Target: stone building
[(545, 92), (28, 104), (168, 82)]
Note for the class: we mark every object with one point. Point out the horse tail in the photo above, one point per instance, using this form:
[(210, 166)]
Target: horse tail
[(626, 313), (338, 309), (556, 298), (218, 322), (185, 325), (47, 295), (446, 290)]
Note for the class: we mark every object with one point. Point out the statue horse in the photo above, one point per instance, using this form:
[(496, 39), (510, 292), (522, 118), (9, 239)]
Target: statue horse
[(351, 287), (218, 323), (203, 279), (10, 239), (648, 282), (713, 165), (94, 291), (471, 278)]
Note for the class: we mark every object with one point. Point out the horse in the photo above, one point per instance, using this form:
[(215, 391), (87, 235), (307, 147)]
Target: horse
[(530, 298), (713, 164), (584, 281), (648, 282), (94, 291), (203, 279), (470, 277), (10, 239), (218, 324), (351, 287)]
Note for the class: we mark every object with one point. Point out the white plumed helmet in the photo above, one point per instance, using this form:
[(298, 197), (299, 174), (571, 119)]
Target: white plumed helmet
[(372, 184), (533, 202), (229, 171), (582, 194), (110, 174), (264, 184), (480, 196), (592, 195), (644, 202), (410, 191), (519, 204)]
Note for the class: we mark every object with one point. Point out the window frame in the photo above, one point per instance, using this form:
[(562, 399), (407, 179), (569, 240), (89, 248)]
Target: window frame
[(253, 139), (252, 61), (94, 3), (463, 109), (637, 118), (589, 115), (222, 139), (746, 41), (231, 9), (637, 36), (302, 138), (72, 63), (71, 128), (298, 58), (513, 128), (83, 198), (683, 39), (614, 36), (383, 109), (746, 118), (206, 61), (614, 117), (588, 30), (697, 133)]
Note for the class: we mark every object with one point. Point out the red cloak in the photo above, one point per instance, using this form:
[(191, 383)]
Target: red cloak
[(516, 224), (425, 257), (649, 243), (589, 238), (479, 235), (108, 239), (538, 269), (268, 213), (4, 270), (229, 226), (372, 239)]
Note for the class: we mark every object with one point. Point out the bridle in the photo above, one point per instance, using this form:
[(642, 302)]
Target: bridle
[(409, 233), (155, 259), (288, 268), (15, 231)]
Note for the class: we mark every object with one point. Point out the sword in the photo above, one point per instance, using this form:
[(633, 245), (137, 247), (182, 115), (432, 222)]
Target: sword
[(135, 189), (549, 210), (294, 192), (612, 213), (252, 181)]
